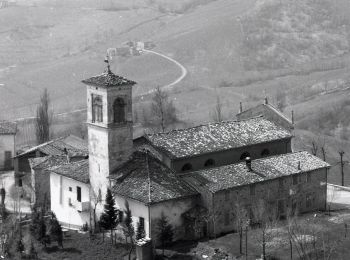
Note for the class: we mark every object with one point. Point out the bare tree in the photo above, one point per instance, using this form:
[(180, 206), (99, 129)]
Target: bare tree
[(217, 114), (241, 218), (164, 110), (43, 119)]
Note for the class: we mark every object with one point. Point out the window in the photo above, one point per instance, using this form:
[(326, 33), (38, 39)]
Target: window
[(78, 194), (119, 110), (280, 184), (295, 179), (244, 156), (70, 202), (265, 153), (308, 200), (308, 177), (252, 190), (227, 195), (186, 167), (120, 216), (99, 198), (20, 184), (97, 114), (70, 188), (209, 163), (142, 222), (227, 218)]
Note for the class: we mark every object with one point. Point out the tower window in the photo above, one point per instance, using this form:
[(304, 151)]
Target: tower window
[(209, 163), (186, 167), (244, 155), (119, 110), (97, 115)]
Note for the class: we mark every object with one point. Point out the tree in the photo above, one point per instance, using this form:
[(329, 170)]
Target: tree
[(217, 114), (38, 228), (241, 219), (163, 109), (55, 230), (32, 252), (165, 231), (266, 216), (43, 119), (20, 246), (109, 219), (129, 227), (140, 231)]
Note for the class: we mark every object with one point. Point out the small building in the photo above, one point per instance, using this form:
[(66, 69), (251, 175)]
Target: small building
[(8, 132), (68, 145)]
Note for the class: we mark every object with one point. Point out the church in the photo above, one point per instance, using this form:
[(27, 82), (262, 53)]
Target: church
[(193, 176)]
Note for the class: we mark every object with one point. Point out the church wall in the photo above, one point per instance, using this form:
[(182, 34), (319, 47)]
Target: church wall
[(272, 191), (233, 155), (69, 215), (173, 210)]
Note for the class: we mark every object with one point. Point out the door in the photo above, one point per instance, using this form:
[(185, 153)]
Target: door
[(8, 160)]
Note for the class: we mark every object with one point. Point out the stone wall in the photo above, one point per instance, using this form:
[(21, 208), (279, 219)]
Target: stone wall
[(311, 186)]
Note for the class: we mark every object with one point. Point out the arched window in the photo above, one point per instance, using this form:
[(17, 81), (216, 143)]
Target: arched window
[(244, 155), (119, 110), (209, 163), (186, 167), (265, 152), (97, 115)]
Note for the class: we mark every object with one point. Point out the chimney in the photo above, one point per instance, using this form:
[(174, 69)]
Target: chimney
[(248, 162), (67, 154), (293, 117), (299, 166), (240, 107), (266, 101)]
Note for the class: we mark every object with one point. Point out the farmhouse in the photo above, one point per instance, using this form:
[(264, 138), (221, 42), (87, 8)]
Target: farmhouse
[(7, 144), (187, 174)]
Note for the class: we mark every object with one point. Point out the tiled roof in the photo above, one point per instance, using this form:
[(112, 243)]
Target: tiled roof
[(78, 170), (108, 79), (217, 136), (131, 180), (7, 127), (47, 161), (74, 145), (229, 176)]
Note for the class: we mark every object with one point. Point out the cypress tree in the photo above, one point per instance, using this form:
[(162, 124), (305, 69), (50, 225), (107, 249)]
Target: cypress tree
[(55, 232), (165, 231), (109, 219)]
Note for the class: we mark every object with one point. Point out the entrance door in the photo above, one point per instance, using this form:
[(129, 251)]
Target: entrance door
[(8, 160)]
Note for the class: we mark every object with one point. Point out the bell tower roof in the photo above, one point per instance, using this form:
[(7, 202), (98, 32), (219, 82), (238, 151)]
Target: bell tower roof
[(108, 79)]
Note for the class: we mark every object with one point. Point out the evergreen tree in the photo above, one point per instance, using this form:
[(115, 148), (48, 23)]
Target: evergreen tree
[(165, 231), (129, 230), (20, 246), (140, 231), (55, 231), (32, 252), (38, 228), (109, 219)]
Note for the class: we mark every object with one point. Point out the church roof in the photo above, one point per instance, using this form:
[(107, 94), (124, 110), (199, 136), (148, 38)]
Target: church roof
[(234, 175), (108, 79), (217, 136), (75, 146), (131, 180), (47, 161), (7, 127), (78, 170)]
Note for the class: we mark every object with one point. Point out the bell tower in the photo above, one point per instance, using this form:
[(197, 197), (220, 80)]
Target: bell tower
[(110, 126)]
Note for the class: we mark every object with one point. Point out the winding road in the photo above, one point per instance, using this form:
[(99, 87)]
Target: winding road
[(183, 69)]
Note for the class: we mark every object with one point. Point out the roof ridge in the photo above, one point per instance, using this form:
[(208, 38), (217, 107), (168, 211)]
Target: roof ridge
[(208, 124)]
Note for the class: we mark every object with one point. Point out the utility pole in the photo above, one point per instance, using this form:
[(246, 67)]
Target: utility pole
[(341, 153)]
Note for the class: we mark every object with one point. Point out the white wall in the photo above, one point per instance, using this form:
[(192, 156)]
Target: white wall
[(64, 212), (7, 143)]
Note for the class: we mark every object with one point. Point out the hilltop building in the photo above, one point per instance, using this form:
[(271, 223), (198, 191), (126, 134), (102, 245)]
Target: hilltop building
[(8, 132), (190, 175)]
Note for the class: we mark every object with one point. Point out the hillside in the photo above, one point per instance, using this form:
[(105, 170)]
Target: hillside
[(294, 52)]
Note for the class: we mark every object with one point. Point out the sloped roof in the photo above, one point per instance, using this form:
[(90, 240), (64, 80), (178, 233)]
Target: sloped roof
[(47, 161), (7, 127), (131, 180), (217, 136), (234, 175), (75, 147), (78, 170), (108, 79)]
